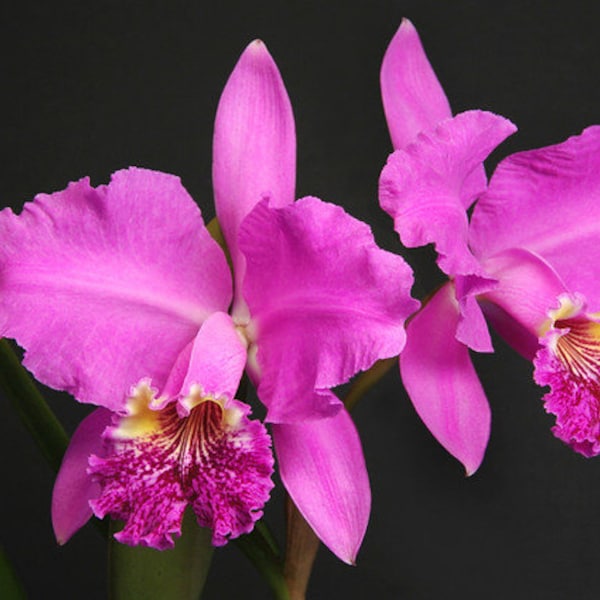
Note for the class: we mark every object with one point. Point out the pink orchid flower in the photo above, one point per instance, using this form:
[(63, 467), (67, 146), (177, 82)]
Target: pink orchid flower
[(121, 297), (525, 259)]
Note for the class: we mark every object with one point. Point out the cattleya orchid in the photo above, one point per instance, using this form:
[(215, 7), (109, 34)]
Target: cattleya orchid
[(120, 296), (525, 259)]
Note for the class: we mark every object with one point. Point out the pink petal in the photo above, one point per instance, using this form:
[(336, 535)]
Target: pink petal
[(105, 286), (440, 379), (472, 329), (217, 359), (254, 146), (527, 289), (413, 98), (323, 469), (74, 488), (326, 302), (427, 186), (548, 201)]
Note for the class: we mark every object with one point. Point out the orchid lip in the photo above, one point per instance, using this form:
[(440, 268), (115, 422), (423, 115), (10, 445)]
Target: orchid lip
[(199, 451), (569, 362)]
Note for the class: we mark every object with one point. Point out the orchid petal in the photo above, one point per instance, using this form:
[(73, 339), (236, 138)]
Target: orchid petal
[(323, 469), (472, 330), (326, 302), (105, 286), (74, 488), (427, 186), (216, 361), (528, 287), (547, 201), (439, 377), (254, 146), (413, 98)]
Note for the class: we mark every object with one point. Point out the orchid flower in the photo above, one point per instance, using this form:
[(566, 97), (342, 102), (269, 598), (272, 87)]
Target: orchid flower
[(525, 259), (121, 297)]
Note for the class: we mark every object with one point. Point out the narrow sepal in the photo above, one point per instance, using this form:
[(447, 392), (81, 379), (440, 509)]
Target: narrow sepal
[(254, 145), (74, 487), (323, 469), (441, 382), (413, 98)]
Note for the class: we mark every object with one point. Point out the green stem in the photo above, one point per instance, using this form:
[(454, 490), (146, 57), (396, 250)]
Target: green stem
[(31, 407), (260, 548), (300, 553), (10, 586), (34, 412)]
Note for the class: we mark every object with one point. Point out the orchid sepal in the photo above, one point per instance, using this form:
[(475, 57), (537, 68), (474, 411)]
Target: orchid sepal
[(441, 382)]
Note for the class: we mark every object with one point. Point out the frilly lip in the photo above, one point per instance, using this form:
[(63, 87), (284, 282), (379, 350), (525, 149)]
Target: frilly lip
[(215, 459)]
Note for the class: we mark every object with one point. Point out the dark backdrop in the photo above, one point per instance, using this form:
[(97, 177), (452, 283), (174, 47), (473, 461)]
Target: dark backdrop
[(90, 87)]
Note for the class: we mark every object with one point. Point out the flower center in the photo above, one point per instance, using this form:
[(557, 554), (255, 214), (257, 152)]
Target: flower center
[(200, 451), (569, 362), (578, 347), (191, 438)]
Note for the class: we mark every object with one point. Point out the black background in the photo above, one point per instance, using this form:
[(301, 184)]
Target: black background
[(90, 87)]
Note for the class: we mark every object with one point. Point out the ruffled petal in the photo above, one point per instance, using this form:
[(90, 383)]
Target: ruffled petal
[(547, 201), (73, 487), (326, 302), (439, 377), (105, 286), (214, 458), (427, 186), (323, 469), (413, 98), (254, 146), (518, 306)]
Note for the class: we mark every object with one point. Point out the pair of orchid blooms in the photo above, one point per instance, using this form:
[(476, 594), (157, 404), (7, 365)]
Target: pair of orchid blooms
[(120, 295)]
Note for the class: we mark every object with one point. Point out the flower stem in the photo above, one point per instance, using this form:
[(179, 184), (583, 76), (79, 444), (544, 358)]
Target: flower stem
[(260, 548), (301, 550), (9, 583), (31, 407)]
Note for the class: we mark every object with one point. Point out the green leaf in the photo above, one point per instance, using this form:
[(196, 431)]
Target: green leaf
[(31, 407), (10, 586), (176, 574)]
